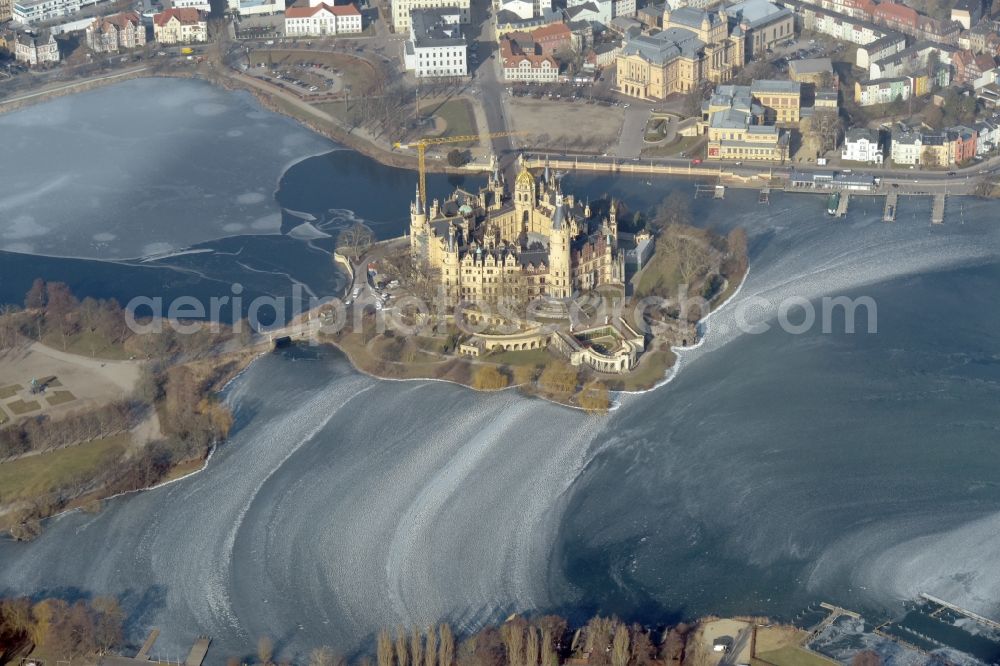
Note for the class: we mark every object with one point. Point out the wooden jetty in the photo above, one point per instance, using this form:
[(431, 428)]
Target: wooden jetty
[(720, 191), (891, 201), (198, 651), (701, 190), (937, 212), (845, 198), (765, 196), (143, 653), (993, 624)]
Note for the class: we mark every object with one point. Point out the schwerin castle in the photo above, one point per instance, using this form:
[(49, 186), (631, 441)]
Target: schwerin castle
[(538, 242)]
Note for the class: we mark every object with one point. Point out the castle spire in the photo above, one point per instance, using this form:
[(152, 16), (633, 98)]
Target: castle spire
[(417, 204)]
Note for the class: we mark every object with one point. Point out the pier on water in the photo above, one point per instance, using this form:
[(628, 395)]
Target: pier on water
[(765, 196), (891, 201), (937, 212), (845, 199)]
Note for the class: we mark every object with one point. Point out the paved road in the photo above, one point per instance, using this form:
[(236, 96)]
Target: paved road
[(633, 131)]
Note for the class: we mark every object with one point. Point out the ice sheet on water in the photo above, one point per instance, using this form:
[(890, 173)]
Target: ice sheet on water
[(146, 166)]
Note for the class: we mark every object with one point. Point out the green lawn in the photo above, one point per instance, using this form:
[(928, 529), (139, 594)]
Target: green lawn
[(457, 114), (59, 398), (45, 472), (660, 275), (20, 407), (531, 357), (9, 391), (794, 656)]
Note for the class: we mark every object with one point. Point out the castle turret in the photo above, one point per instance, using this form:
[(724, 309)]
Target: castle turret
[(418, 227), (613, 221), (559, 282)]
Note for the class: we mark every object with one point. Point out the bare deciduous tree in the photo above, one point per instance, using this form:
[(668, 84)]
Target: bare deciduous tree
[(620, 652), (446, 646), (402, 653), (384, 648)]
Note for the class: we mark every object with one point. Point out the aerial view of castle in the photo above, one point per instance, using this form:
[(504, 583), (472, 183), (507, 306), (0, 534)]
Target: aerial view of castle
[(538, 242)]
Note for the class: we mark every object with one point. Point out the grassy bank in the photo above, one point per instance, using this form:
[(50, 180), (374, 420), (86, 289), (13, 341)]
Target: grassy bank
[(36, 475)]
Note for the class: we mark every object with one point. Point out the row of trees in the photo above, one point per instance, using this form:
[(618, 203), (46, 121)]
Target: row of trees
[(51, 308), (41, 432), (59, 629)]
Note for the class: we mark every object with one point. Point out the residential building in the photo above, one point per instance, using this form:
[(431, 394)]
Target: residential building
[(764, 24), (552, 38), (27, 12), (180, 26), (322, 19), (595, 11), (911, 59), (780, 100), (962, 144), (118, 31), (256, 7), (523, 9), (604, 55), (936, 149), (882, 91), (906, 147), (817, 71), (401, 10), (862, 145), (201, 5), (437, 47), (985, 37), (737, 130), (694, 46), (623, 8), (881, 48), (36, 49), (967, 12), (835, 24), (826, 99), (6, 10), (507, 22), (987, 136), (522, 61), (970, 66)]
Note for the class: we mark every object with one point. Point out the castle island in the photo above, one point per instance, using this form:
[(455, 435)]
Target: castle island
[(527, 277)]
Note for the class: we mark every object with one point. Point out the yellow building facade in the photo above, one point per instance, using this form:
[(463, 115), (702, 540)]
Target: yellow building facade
[(695, 46), (536, 242)]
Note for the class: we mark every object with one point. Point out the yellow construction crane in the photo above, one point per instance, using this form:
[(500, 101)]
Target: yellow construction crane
[(421, 146)]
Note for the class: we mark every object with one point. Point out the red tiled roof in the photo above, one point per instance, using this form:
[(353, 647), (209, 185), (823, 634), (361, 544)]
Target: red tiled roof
[(186, 15), (898, 12), (552, 30), (120, 20), (336, 10)]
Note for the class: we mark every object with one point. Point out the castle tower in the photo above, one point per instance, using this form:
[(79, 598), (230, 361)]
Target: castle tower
[(559, 283), (613, 222), (418, 228), (525, 198), (450, 270)]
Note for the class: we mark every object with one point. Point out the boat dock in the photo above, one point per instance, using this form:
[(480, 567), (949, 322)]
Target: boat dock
[(891, 201), (845, 199), (993, 624), (937, 212), (720, 191), (765, 196)]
